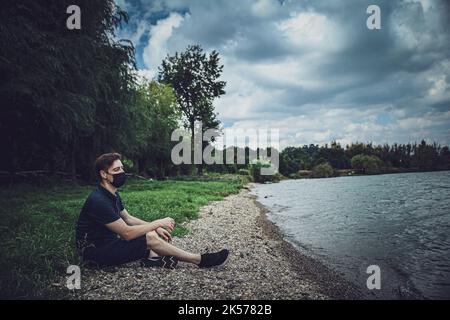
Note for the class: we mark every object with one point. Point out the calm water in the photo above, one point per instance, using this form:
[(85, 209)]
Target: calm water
[(400, 222)]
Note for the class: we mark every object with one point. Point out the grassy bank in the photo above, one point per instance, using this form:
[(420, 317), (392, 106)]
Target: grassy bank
[(37, 225)]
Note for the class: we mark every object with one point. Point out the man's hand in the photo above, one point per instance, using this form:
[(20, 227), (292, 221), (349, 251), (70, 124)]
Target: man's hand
[(163, 233), (167, 223)]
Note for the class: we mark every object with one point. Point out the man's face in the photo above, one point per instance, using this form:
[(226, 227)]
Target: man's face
[(116, 167)]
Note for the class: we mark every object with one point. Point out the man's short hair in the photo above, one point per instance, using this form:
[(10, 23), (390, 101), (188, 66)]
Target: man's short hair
[(105, 161)]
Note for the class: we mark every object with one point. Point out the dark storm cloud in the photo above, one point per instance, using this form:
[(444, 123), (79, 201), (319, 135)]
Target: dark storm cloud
[(297, 59)]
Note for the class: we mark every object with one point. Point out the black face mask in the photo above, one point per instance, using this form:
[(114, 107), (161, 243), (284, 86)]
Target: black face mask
[(119, 179)]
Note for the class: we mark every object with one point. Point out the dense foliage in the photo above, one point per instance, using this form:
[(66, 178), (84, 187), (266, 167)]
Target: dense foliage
[(64, 92)]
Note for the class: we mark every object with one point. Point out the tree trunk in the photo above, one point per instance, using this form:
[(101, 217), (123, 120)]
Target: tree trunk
[(161, 169), (137, 168), (192, 124), (142, 167), (73, 170), (200, 169)]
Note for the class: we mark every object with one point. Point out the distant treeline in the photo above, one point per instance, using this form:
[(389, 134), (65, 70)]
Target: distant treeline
[(366, 158), (357, 158)]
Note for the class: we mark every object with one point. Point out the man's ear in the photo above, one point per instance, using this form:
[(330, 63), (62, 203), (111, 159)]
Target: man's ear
[(103, 174)]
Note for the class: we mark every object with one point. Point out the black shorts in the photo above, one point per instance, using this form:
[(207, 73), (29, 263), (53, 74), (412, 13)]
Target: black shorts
[(117, 252)]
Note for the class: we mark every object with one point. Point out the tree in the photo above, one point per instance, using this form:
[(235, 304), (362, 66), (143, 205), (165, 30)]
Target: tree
[(194, 77), (427, 156), (255, 172), (334, 154), (153, 117), (444, 158), (366, 164), (323, 170)]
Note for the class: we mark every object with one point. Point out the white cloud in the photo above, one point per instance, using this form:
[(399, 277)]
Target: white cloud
[(142, 27), (156, 48), (145, 75), (308, 30), (264, 8)]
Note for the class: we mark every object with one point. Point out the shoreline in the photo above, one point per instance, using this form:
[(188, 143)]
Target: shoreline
[(262, 265), (330, 283)]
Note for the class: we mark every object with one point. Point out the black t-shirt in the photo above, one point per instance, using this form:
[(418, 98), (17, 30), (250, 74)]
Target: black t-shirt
[(100, 208)]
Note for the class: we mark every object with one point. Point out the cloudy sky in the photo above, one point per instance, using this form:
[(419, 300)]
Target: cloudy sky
[(312, 68)]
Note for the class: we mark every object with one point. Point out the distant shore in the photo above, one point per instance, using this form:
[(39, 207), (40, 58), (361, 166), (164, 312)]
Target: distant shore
[(308, 174), (261, 265)]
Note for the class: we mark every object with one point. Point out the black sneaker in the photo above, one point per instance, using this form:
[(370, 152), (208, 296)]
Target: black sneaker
[(216, 259), (168, 262)]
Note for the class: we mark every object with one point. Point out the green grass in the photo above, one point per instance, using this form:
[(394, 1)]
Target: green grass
[(37, 224)]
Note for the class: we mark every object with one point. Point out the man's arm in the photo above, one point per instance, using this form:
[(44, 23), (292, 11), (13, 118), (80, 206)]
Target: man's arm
[(128, 232), (130, 220)]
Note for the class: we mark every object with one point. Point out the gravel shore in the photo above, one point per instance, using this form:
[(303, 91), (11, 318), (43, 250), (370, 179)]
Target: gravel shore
[(261, 264)]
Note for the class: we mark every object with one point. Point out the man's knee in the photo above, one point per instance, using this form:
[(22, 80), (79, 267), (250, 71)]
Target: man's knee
[(151, 237)]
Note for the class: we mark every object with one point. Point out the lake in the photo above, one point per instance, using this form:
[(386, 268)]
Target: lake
[(399, 222)]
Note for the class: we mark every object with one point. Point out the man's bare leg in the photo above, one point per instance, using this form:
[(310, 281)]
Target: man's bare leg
[(162, 248)]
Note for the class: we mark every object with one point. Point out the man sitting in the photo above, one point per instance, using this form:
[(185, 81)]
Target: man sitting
[(107, 235)]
